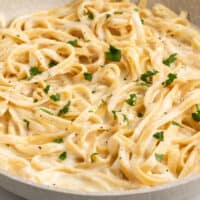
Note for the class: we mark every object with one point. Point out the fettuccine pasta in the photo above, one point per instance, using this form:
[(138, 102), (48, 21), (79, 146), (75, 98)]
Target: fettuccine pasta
[(100, 96)]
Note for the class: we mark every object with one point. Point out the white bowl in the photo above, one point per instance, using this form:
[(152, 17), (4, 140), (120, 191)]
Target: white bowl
[(185, 189)]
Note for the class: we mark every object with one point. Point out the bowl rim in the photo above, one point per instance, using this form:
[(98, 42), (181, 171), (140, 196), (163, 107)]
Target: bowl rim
[(150, 189)]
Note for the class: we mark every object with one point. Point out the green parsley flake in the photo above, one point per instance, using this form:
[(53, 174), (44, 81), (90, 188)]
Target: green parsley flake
[(46, 89), (27, 123), (159, 157), (93, 157), (89, 14), (55, 97), (108, 16), (46, 111), (113, 54), (118, 12), (74, 43), (65, 109), (34, 71), (52, 64), (88, 76), (171, 59), (147, 77), (58, 140), (125, 119), (159, 136), (63, 156), (177, 124), (114, 112), (132, 100), (142, 20), (196, 115), (171, 78)]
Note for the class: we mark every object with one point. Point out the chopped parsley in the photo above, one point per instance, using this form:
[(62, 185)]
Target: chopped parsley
[(55, 97), (171, 78), (63, 156), (113, 54), (171, 59), (88, 76), (159, 136), (114, 112), (132, 100), (159, 157), (108, 16), (125, 119), (27, 123), (118, 12), (34, 71), (142, 20), (74, 43), (58, 140), (147, 77), (89, 14), (46, 89), (46, 111), (65, 109), (177, 124), (52, 64), (196, 115), (93, 157)]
